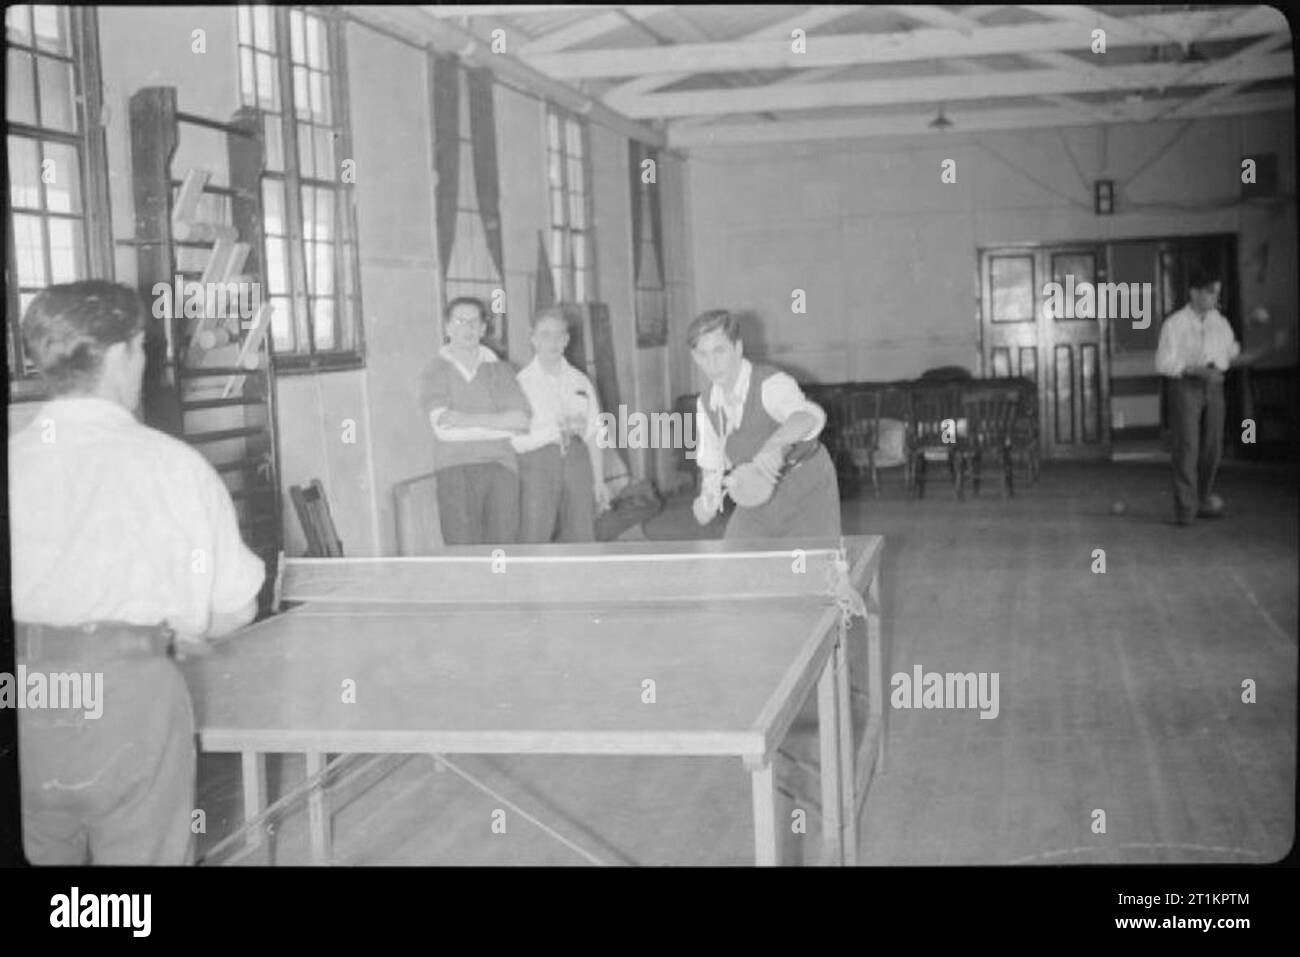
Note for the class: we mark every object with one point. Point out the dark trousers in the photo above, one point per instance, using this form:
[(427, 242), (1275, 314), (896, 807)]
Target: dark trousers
[(479, 504), (1196, 421), (116, 789), (557, 492), (805, 504)]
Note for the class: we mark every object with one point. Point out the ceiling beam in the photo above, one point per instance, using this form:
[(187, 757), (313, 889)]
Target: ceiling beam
[(414, 25), (808, 20), (963, 122), (508, 9), (588, 29), (932, 89), (936, 17), (770, 48)]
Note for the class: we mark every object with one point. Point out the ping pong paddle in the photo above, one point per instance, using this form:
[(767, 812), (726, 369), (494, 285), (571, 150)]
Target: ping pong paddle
[(748, 486)]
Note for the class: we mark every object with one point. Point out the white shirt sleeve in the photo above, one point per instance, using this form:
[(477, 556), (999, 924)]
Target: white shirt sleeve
[(782, 398), (1168, 361), (237, 574)]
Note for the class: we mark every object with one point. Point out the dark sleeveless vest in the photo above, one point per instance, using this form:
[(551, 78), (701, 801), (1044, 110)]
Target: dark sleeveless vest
[(756, 426)]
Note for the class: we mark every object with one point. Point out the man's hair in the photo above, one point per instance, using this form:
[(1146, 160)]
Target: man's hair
[(559, 313), (467, 301), (68, 328), (712, 321), (1202, 277)]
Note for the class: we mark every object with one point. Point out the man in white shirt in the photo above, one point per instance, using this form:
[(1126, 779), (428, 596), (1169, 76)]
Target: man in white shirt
[(561, 466), (122, 538), (1197, 346), (755, 413)]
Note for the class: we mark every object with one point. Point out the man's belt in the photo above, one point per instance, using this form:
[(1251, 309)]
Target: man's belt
[(93, 640)]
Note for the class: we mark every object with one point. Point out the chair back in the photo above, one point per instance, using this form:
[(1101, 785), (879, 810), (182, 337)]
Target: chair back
[(991, 415), (930, 408), (317, 524), (859, 425), (415, 509)]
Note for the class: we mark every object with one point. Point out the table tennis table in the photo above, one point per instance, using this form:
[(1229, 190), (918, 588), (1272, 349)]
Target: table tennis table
[(702, 648)]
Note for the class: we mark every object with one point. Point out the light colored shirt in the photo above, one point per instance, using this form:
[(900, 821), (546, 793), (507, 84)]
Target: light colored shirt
[(111, 520), (553, 399), (468, 433), (1187, 340), (781, 398)]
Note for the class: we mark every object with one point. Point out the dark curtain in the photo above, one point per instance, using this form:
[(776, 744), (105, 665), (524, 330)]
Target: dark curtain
[(635, 153), (446, 150), (545, 293), (483, 138)]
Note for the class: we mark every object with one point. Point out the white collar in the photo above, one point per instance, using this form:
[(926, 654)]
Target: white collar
[(484, 355), (739, 389)]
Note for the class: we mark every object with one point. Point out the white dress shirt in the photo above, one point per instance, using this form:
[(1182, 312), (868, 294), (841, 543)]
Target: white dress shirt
[(1187, 340), (466, 433), (781, 398), (111, 520), (553, 399)]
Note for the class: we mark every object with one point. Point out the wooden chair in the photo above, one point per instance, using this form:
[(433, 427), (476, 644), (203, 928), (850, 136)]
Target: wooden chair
[(931, 433), (415, 509), (990, 413), (317, 524), (1024, 434), (857, 433)]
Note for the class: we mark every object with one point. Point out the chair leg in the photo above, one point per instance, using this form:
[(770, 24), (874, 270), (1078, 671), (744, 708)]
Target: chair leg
[(976, 474)]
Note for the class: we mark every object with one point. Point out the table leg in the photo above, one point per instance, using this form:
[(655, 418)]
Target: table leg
[(848, 776), (766, 838), (318, 817), (830, 727), (875, 667), (253, 772)]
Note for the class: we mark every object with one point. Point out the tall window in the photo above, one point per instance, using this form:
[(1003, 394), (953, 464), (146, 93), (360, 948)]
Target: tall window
[(56, 203), (571, 241), (291, 67), (471, 270)]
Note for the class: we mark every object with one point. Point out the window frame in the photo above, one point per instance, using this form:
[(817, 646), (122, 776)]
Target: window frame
[(90, 144), (311, 359), (588, 231)]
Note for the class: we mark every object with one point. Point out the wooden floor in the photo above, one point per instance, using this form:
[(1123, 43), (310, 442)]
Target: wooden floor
[(1119, 693)]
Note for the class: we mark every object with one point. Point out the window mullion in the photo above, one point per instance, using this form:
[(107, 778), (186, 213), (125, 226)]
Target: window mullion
[(298, 294)]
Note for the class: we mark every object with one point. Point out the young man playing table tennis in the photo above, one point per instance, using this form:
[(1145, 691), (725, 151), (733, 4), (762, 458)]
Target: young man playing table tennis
[(121, 538), (757, 442), (475, 407), (561, 470)]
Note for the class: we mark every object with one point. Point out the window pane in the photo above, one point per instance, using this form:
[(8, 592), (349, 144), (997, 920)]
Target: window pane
[(245, 17), (273, 206), (65, 250), (577, 213), (247, 78), (267, 87), (557, 248), (557, 207), (277, 267), (57, 110), (348, 320), (306, 165), (28, 250), (574, 138), (324, 280), (575, 175), (325, 165), (24, 173), (1013, 288), (274, 143), (296, 36), (555, 168), (281, 325), (552, 129), (63, 191), (263, 34), (322, 316), (301, 95), (579, 252), (309, 260), (320, 98), (51, 24), (324, 214), (18, 28), (308, 200), (21, 102), (317, 55)]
